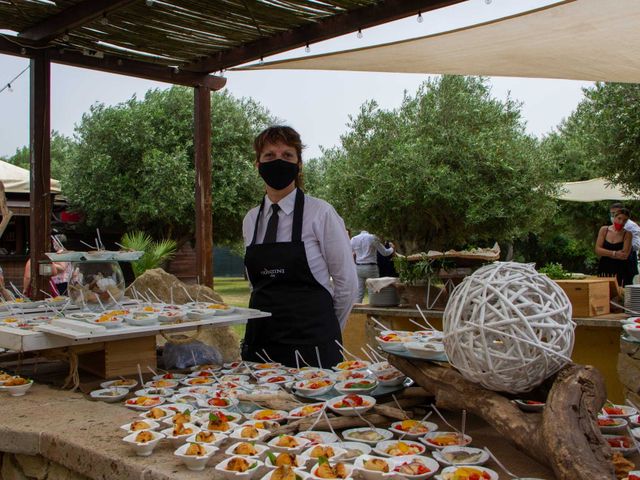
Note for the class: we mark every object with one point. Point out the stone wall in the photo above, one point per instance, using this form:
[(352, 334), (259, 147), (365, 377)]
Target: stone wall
[(34, 467), (629, 370)]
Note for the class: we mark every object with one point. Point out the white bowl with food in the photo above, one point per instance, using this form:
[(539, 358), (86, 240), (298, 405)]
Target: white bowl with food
[(98, 255), (265, 366), (208, 437), (179, 433), (620, 443), (141, 319), (356, 386), (144, 403), (618, 411), (16, 386), (157, 413), (452, 456), (367, 435), (351, 405), (195, 455), (201, 373), (197, 381), (372, 467), (180, 417), (247, 449), (391, 378), (187, 398), (439, 440), (288, 444), (279, 459), (128, 383), (199, 314), (140, 425), (276, 379), (81, 316), (399, 448), (109, 395), (392, 342), (634, 420), (172, 315), (331, 471), (309, 410), (453, 473), (162, 384), (285, 473), (107, 321), (238, 378), (351, 365), (313, 388), (317, 437), (610, 424), (414, 467), (239, 468), (529, 405), (204, 417), (155, 392), (632, 329), (313, 374), (345, 375), (332, 452), (249, 433), (217, 402), (268, 414), (353, 450), (143, 442), (177, 407), (425, 350), (412, 429), (262, 424)]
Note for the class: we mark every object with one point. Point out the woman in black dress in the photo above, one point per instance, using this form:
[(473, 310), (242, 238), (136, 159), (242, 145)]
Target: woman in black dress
[(613, 247)]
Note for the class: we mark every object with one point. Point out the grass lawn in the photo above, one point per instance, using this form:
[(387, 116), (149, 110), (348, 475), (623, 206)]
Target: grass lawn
[(234, 291)]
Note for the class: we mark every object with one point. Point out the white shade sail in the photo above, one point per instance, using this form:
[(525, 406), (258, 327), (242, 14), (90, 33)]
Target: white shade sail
[(594, 40), (593, 190), (16, 179)]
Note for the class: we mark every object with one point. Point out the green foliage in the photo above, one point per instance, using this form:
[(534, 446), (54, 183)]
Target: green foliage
[(61, 150), (451, 166), (555, 271), (156, 253), (133, 165), (417, 272)]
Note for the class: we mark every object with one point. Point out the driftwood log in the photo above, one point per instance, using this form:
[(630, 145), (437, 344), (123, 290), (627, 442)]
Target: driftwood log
[(565, 437)]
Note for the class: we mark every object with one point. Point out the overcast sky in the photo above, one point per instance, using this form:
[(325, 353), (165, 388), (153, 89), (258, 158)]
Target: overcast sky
[(317, 104)]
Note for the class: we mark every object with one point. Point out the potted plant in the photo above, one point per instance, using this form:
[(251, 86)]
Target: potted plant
[(420, 283)]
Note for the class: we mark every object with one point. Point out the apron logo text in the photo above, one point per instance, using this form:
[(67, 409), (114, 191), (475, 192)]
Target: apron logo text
[(273, 272)]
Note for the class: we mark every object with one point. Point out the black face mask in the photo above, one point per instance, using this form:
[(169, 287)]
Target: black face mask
[(278, 174)]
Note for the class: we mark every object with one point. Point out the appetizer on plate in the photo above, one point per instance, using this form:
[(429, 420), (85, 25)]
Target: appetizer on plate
[(352, 404), (324, 470), (461, 456), (239, 467), (352, 365), (399, 448), (416, 468), (287, 443), (413, 428), (445, 439), (468, 473), (356, 386), (143, 442), (269, 415), (618, 411), (367, 435), (143, 403), (307, 410)]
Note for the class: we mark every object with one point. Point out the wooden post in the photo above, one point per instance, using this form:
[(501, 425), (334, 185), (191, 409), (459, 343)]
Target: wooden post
[(40, 161), (204, 219)]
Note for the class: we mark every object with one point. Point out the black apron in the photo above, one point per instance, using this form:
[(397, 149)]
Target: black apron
[(302, 311)]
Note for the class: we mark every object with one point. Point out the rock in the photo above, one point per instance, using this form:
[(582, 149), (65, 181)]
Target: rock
[(35, 466), (58, 472), (162, 283), (9, 470)]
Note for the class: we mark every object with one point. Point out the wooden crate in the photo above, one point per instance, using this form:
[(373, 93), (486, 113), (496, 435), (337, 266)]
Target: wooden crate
[(589, 297), (118, 358)]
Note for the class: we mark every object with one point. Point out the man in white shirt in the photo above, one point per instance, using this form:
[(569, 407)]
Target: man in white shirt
[(633, 228), (364, 247)]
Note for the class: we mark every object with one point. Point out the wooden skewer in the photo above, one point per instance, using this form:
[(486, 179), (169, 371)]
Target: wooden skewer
[(499, 463), (435, 409), (262, 358), (347, 351), (424, 318), (381, 325), (318, 357), (464, 424), (393, 395), (186, 292), (140, 375), (371, 359), (422, 420)]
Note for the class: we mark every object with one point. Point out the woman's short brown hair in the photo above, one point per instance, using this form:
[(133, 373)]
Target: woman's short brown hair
[(278, 134)]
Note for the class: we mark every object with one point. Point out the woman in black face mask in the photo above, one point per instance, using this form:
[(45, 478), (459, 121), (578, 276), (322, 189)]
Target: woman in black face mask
[(298, 259)]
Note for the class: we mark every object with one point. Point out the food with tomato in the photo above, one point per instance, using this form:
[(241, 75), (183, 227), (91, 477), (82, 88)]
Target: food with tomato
[(466, 473), (144, 401), (414, 427), (352, 365), (607, 422), (415, 467), (533, 402), (350, 401), (445, 439), (276, 379), (619, 442), (376, 465), (267, 415), (611, 409), (359, 385), (219, 402), (404, 448), (315, 385), (308, 410)]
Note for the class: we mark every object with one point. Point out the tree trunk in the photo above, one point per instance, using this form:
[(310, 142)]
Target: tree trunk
[(565, 437)]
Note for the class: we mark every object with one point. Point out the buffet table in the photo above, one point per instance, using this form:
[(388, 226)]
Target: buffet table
[(597, 340)]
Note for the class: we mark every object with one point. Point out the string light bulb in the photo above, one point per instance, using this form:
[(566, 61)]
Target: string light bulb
[(104, 20), (307, 48), (420, 19), (359, 33)]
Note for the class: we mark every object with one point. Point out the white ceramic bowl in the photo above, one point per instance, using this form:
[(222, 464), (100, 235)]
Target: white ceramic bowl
[(186, 398), (443, 456), (273, 415), (162, 384), (170, 376), (299, 473), (448, 473), (429, 436), (177, 407), (352, 449), (167, 413), (151, 425), (181, 416), (310, 460), (299, 463), (170, 316), (359, 465), (422, 428), (109, 395), (617, 447), (382, 448), (316, 438), (128, 383), (155, 392), (232, 427), (17, 390), (276, 379), (192, 462), (144, 403), (313, 374), (217, 439), (348, 467), (429, 463), (200, 314), (632, 329), (391, 379), (141, 319), (634, 420), (177, 440), (112, 322), (619, 424), (392, 345), (197, 381), (314, 409), (528, 407), (425, 350), (81, 316), (351, 411), (301, 444), (248, 475), (352, 365), (217, 402), (626, 411), (232, 417), (352, 435), (237, 434), (302, 387), (261, 450), (341, 387), (143, 449)]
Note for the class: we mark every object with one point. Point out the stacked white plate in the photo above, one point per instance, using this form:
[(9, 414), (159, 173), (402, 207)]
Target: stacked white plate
[(632, 297)]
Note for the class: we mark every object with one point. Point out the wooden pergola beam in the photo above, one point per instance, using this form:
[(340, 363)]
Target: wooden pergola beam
[(365, 17), (70, 18)]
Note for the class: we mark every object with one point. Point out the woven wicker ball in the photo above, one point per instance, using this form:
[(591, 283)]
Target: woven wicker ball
[(508, 327)]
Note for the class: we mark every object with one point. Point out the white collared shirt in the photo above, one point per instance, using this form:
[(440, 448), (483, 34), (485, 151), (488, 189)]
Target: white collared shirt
[(365, 246), (633, 228), (326, 244)]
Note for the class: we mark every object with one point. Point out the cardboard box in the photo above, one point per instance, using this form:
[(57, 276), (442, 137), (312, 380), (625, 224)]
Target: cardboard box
[(589, 297)]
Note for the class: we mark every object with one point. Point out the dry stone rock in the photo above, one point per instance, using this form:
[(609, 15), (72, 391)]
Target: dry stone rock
[(58, 472), (158, 283), (33, 466), (9, 470)]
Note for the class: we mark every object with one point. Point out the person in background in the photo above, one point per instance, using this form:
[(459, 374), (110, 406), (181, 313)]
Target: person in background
[(60, 281), (633, 228), (6, 294), (364, 247), (298, 261), (386, 268), (613, 246)]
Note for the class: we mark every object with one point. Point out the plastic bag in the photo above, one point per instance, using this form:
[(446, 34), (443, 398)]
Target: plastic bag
[(188, 354)]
